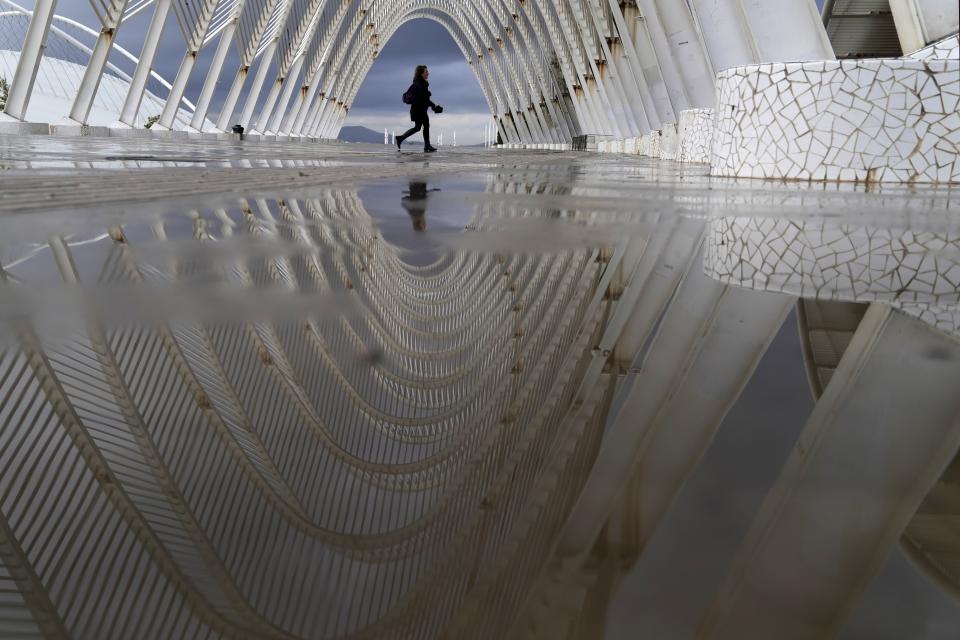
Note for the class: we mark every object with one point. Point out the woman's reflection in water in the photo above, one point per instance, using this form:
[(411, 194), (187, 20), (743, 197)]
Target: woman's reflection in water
[(414, 201)]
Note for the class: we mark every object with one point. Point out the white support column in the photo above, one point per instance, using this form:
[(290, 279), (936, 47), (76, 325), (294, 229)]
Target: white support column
[(266, 110), (172, 105), (94, 70), (502, 130), (210, 82), (290, 83), (550, 133), (877, 441), (728, 39), (938, 18), (622, 101), (650, 70), (669, 69), (687, 52), (28, 64), (297, 115), (327, 117), (906, 18), (563, 132), (230, 103), (138, 83), (313, 117), (710, 340), (258, 79), (624, 19), (632, 89), (787, 30)]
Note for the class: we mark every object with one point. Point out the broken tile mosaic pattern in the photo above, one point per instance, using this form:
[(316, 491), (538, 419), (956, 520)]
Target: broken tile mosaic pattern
[(863, 120), (915, 271)]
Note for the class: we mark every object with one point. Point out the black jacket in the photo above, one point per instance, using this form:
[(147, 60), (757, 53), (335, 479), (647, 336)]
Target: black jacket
[(421, 100)]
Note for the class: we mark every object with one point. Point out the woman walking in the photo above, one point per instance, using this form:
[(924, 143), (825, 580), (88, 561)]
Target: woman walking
[(418, 97)]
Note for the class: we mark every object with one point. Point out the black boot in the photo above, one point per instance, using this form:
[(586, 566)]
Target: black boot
[(428, 149), (399, 140)]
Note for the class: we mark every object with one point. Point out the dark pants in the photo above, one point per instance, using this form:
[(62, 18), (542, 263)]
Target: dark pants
[(418, 122)]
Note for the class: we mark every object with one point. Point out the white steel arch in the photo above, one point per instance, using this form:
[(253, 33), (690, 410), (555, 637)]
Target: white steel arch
[(550, 69)]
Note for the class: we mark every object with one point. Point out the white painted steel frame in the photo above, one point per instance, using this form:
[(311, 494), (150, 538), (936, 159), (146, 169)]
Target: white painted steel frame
[(549, 69)]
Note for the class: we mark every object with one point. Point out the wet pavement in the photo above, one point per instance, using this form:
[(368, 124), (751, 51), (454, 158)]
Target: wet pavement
[(316, 390)]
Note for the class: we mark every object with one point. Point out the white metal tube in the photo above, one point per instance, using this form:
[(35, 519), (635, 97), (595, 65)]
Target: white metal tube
[(669, 68), (172, 104), (92, 75), (265, 112), (304, 108), (728, 41), (787, 30), (289, 84), (261, 75), (687, 52), (210, 83), (310, 124), (226, 112), (18, 96), (138, 84)]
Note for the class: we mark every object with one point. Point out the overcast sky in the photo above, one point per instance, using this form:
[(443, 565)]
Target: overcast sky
[(452, 82), (378, 103)]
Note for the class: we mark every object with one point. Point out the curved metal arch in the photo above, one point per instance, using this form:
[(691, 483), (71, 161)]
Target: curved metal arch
[(509, 91), (18, 10), (435, 13), (588, 72), (489, 33), (525, 26), (482, 31), (351, 57), (564, 45)]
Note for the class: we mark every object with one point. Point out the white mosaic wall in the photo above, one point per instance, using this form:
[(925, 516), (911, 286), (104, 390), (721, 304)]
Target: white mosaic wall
[(695, 131), (892, 120), (644, 144), (690, 139), (863, 120), (912, 270), (669, 142), (655, 141)]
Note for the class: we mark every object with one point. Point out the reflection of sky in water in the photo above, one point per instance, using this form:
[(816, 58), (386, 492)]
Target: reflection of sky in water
[(444, 208)]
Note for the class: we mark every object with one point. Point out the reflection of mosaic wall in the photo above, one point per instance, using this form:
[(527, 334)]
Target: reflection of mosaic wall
[(915, 271), (695, 131), (947, 49), (889, 120)]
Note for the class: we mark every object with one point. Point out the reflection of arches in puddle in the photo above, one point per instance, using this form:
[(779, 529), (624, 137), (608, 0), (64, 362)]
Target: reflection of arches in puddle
[(305, 417), (426, 427)]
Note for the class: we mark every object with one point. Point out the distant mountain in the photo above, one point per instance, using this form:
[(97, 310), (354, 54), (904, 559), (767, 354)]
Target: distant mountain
[(360, 134)]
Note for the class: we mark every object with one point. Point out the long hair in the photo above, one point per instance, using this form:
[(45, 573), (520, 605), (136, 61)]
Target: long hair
[(418, 72)]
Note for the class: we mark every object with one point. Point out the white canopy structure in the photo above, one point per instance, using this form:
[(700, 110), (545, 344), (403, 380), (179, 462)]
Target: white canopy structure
[(62, 68), (550, 69)]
